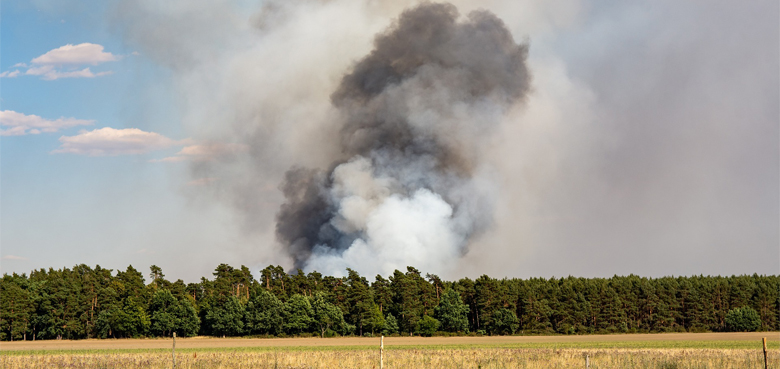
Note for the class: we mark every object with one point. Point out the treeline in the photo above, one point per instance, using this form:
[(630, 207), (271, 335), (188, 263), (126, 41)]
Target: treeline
[(83, 302)]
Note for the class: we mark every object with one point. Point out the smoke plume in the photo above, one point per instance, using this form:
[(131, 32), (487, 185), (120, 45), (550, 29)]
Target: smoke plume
[(413, 114), (648, 146)]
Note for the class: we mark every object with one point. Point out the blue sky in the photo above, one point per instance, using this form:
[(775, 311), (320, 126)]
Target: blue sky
[(59, 209), (652, 130)]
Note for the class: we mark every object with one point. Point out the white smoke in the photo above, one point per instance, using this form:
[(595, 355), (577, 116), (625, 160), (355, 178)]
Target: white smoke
[(399, 231), (635, 143)]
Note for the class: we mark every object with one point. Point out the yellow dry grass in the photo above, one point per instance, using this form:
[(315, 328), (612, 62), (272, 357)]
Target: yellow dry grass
[(406, 358)]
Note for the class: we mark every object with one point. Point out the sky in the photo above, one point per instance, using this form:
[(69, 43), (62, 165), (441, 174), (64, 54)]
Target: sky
[(144, 132)]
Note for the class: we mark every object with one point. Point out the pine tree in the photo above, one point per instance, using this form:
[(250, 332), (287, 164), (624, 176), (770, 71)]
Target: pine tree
[(391, 325), (382, 294), (85, 302), (359, 301), (408, 306), (15, 309)]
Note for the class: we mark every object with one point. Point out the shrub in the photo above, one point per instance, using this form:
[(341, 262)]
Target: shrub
[(391, 325), (743, 320), (452, 312), (504, 321), (427, 326)]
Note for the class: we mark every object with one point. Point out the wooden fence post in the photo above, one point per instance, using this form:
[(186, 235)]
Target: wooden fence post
[(765, 361), (587, 361), (382, 352), (173, 353)]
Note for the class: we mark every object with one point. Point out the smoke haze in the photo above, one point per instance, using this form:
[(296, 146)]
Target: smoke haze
[(412, 115), (388, 133)]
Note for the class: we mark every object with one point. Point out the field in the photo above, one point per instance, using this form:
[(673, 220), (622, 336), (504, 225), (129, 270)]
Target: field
[(688, 350)]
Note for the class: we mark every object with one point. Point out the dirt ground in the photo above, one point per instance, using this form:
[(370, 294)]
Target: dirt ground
[(210, 342)]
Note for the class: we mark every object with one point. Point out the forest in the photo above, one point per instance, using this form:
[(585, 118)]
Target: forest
[(84, 302)]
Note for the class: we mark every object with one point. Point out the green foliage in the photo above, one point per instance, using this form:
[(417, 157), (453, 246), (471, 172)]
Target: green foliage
[(298, 315), (169, 315), (156, 275), (84, 302), (15, 308), (163, 324), (326, 315), (161, 309), (427, 326), (375, 321), (452, 312), (391, 325), (187, 323), (104, 324), (131, 320), (360, 304), (413, 297), (504, 321), (226, 317), (264, 314), (743, 320)]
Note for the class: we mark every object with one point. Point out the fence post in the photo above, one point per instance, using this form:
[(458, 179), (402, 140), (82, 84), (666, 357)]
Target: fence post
[(765, 361), (173, 353), (587, 361), (382, 352)]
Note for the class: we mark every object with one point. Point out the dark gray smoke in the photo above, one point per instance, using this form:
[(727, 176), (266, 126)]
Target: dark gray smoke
[(414, 114)]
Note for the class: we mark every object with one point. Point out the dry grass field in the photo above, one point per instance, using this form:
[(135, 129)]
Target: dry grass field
[(709, 350), (407, 358)]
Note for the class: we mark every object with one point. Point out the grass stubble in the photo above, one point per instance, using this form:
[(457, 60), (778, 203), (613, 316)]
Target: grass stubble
[(400, 357), (630, 353)]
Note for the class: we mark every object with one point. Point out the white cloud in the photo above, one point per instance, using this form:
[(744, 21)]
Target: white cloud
[(13, 257), (204, 152), (66, 62), (110, 142), (9, 74), (49, 73), (19, 124), (80, 54)]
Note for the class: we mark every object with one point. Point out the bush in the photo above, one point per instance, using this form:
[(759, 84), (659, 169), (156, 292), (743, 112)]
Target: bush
[(427, 326), (743, 320), (452, 312), (504, 321), (391, 325)]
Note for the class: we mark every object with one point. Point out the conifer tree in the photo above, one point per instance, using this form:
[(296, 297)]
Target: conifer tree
[(391, 324)]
